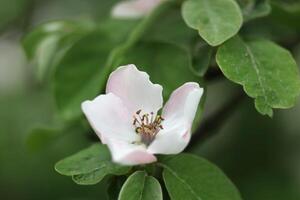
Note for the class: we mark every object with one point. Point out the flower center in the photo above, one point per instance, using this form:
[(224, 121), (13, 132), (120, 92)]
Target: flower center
[(147, 126)]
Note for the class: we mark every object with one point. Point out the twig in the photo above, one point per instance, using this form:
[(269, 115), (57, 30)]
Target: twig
[(210, 125)]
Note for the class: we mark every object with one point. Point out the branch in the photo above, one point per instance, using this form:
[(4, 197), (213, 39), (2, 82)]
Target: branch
[(210, 125)]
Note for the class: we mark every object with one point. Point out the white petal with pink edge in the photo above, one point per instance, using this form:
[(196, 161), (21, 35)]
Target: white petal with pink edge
[(179, 113), (109, 118), (135, 89), (129, 154)]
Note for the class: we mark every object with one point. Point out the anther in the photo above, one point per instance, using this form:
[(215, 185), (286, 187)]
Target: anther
[(151, 121), (135, 121), (138, 130)]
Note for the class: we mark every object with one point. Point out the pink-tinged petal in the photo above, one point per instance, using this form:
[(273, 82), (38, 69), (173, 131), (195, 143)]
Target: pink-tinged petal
[(183, 103), (129, 154), (179, 113), (135, 89), (171, 140), (134, 8), (109, 118)]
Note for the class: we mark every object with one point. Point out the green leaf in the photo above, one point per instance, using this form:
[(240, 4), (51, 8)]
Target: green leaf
[(139, 186), (81, 73), (215, 20), (253, 9), (124, 27), (190, 177), (58, 28), (90, 166), (44, 55), (85, 161), (97, 175), (177, 34), (167, 64), (48, 42), (266, 71)]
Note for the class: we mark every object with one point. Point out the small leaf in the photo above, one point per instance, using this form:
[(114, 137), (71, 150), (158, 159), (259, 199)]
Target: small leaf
[(139, 186), (190, 177), (90, 166), (215, 20), (266, 71)]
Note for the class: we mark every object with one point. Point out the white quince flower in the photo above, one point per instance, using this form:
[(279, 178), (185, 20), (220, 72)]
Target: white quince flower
[(134, 8), (126, 117)]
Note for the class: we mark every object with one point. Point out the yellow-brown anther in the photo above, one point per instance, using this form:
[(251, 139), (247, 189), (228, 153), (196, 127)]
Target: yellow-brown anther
[(146, 126)]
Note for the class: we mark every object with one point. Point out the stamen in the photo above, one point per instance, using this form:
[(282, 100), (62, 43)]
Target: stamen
[(147, 127), (152, 115), (147, 118)]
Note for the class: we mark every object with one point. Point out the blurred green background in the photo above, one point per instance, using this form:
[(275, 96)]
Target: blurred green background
[(261, 155)]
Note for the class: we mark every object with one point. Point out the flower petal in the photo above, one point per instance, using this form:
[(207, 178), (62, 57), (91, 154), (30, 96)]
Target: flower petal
[(134, 8), (109, 118), (183, 102), (171, 140), (179, 113), (129, 154), (135, 89)]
